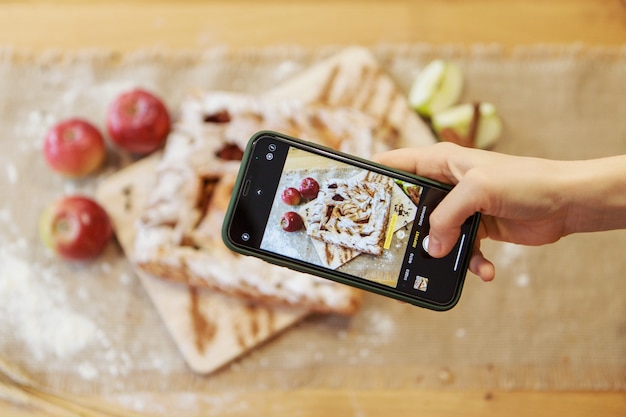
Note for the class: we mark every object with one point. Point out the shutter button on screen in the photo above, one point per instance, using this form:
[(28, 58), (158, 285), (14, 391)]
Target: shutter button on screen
[(425, 243)]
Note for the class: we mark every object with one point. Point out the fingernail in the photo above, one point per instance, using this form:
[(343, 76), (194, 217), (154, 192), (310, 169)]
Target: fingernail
[(434, 246)]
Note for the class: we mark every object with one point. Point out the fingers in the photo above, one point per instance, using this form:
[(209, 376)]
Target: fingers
[(438, 162), (448, 217), (430, 162), (481, 266)]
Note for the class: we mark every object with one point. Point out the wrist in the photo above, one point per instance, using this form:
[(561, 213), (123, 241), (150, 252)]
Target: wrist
[(594, 194)]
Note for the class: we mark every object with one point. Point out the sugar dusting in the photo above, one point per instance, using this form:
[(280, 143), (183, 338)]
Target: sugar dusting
[(35, 311), (512, 256), (216, 404), (380, 324), (522, 280), (509, 254), (56, 316), (55, 321), (37, 304), (11, 172)]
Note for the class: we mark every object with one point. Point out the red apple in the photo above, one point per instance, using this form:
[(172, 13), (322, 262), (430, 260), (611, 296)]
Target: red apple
[(74, 148), (138, 122), (291, 196), (75, 227), (291, 221), (309, 188)]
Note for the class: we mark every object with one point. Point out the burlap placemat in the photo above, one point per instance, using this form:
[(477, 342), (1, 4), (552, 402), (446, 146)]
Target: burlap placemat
[(553, 319)]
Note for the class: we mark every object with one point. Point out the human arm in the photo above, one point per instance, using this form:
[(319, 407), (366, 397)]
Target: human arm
[(530, 201)]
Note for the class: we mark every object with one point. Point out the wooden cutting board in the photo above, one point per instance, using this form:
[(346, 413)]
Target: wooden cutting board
[(211, 329)]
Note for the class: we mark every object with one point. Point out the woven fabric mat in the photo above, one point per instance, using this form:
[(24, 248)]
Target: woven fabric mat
[(555, 317)]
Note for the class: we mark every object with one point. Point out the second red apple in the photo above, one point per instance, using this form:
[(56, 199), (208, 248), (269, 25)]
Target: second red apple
[(138, 122)]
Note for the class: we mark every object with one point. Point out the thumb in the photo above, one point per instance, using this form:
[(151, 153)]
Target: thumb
[(448, 217)]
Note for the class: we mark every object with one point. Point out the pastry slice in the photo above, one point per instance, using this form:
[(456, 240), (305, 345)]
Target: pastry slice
[(350, 213)]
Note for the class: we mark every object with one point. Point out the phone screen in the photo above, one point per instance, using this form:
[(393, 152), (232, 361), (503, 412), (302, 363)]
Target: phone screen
[(367, 226)]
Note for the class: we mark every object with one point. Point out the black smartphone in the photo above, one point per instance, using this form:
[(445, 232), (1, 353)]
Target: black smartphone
[(315, 210)]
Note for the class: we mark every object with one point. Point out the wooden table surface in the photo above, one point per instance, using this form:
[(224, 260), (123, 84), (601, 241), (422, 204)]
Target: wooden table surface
[(195, 24), (127, 25)]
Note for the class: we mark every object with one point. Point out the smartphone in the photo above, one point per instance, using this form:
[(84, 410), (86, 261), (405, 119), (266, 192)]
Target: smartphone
[(319, 211)]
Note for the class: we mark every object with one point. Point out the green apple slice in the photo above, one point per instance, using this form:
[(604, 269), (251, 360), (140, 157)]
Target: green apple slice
[(437, 87), (459, 119)]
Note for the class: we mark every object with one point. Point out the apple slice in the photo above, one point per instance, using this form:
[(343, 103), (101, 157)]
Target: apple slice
[(437, 87), (457, 122)]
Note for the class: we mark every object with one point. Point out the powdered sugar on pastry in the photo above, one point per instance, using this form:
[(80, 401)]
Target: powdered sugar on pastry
[(236, 117), (350, 213)]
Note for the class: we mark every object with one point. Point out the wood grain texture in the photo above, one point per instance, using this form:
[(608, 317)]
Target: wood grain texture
[(311, 403), (198, 24)]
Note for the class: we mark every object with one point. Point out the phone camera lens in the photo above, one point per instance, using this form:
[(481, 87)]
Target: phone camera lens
[(269, 156), (245, 237), (272, 147)]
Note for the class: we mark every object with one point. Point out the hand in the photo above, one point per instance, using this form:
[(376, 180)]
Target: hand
[(520, 198)]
